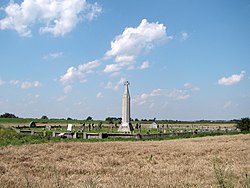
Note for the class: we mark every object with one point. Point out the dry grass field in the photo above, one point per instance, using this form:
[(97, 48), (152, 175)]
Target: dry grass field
[(221, 161)]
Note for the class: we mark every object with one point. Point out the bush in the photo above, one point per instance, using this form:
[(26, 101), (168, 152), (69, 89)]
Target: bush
[(44, 117), (8, 115), (244, 124)]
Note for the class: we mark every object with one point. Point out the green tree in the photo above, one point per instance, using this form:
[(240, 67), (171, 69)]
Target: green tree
[(8, 115), (89, 118), (244, 124), (44, 117)]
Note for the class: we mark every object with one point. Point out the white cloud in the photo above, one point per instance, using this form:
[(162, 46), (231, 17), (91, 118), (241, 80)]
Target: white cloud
[(115, 86), (115, 74), (67, 89), (112, 68), (22, 84), (144, 97), (227, 104), (191, 87), (27, 85), (79, 72), (54, 55), (184, 35), (78, 103), (56, 16), (125, 48), (14, 82), (2, 82), (94, 11), (37, 96), (83, 81), (62, 98), (150, 97), (99, 95), (179, 94), (144, 65), (234, 79)]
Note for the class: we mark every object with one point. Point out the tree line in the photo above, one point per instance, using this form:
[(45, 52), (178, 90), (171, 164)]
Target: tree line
[(243, 124)]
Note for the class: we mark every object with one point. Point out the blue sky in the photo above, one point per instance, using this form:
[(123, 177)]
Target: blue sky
[(185, 60)]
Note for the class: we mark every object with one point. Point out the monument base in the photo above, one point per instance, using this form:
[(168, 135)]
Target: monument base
[(125, 127)]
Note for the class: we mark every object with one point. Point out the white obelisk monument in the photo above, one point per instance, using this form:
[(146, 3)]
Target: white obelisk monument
[(125, 126)]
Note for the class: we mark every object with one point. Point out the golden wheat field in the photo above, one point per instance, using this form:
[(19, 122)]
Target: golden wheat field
[(198, 162)]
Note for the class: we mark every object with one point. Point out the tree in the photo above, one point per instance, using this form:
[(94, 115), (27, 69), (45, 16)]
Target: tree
[(89, 118), (44, 117), (8, 115), (244, 124)]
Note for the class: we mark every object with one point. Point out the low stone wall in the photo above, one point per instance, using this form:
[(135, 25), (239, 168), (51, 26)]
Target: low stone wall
[(32, 132)]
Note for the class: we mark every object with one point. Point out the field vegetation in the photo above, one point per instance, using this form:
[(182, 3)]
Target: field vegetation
[(9, 136), (221, 161), (10, 120)]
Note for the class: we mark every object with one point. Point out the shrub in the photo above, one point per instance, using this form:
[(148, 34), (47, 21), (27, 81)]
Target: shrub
[(8, 115), (244, 124)]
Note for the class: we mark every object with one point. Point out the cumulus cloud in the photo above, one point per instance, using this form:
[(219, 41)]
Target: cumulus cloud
[(152, 96), (2, 82), (179, 94), (14, 82), (67, 89), (184, 36), (54, 55), (115, 86), (22, 84), (62, 98), (79, 72), (112, 68), (191, 87), (27, 85), (125, 48), (144, 65), (144, 97), (36, 96), (57, 17), (99, 95), (234, 79), (93, 11), (227, 104)]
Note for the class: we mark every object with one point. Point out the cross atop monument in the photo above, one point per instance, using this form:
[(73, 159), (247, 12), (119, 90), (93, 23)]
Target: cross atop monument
[(126, 83)]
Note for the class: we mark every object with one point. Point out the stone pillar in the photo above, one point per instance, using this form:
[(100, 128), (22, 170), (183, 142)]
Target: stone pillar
[(85, 135), (100, 135), (125, 126)]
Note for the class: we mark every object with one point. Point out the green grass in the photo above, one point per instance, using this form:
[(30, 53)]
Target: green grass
[(45, 121), (10, 137)]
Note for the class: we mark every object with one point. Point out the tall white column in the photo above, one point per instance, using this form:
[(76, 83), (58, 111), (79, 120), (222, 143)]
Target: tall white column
[(125, 126)]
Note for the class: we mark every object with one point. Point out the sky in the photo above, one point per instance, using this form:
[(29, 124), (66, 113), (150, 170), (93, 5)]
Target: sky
[(184, 60)]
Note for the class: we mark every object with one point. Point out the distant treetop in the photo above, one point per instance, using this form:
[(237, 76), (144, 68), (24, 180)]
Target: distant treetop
[(8, 115)]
